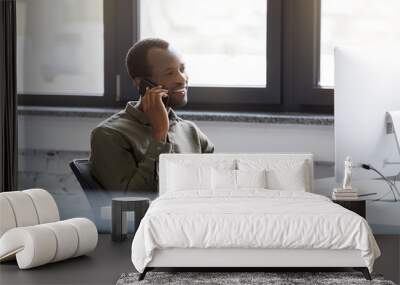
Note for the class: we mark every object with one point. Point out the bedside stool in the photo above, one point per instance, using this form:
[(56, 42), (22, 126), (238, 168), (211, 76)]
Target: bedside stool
[(357, 206), (119, 207)]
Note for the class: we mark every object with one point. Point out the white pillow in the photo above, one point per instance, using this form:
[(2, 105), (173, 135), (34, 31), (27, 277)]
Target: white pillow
[(223, 179), (288, 179), (251, 178), (282, 174), (226, 179), (182, 177)]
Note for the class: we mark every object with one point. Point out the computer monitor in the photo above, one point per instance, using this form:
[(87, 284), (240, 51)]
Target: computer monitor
[(367, 85)]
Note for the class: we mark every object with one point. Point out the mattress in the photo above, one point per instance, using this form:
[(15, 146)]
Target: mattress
[(250, 219)]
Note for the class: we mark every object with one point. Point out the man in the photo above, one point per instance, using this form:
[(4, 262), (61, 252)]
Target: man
[(125, 147)]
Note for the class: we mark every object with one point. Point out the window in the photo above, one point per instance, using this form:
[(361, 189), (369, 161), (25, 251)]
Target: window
[(356, 22), (239, 57), (65, 52), (60, 47), (223, 46)]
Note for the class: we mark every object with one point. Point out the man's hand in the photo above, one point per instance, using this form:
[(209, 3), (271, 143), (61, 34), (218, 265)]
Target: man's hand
[(155, 111)]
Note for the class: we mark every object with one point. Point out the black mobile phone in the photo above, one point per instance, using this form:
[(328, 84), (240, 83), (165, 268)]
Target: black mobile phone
[(144, 83)]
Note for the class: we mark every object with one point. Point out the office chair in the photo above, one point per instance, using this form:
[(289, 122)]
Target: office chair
[(94, 191), (81, 169), (89, 184), (96, 194)]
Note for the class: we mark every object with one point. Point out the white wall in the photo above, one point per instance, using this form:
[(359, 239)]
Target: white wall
[(55, 133), (73, 134), (263, 137)]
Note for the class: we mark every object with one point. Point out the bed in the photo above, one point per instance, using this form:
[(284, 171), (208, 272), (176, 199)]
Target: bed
[(247, 211)]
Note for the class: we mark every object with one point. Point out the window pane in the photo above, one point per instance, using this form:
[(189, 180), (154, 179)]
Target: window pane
[(223, 42), (355, 22), (60, 47)]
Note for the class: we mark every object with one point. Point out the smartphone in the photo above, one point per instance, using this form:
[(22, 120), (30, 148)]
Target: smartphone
[(144, 83)]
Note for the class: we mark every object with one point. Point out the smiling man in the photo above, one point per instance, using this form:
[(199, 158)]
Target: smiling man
[(125, 147)]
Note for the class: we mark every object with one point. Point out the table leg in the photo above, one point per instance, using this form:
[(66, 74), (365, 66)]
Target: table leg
[(117, 217)]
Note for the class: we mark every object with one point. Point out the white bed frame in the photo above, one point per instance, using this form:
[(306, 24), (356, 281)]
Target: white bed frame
[(234, 257), (250, 258)]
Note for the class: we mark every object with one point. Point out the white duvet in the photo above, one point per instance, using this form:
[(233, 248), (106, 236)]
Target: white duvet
[(250, 219)]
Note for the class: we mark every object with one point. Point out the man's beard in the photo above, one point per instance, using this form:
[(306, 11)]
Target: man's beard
[(175, 102)]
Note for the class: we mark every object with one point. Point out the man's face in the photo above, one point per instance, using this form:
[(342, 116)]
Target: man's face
[(167, 69)]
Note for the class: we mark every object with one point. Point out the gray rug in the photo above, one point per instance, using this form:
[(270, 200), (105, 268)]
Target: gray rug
[(228, 278)]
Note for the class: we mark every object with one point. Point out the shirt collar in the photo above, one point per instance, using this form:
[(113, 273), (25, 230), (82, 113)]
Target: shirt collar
[(132, 109)]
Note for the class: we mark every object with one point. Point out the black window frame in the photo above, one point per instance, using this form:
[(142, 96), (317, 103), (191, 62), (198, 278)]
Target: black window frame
[(302, 58), (293, 34), (107, 100)]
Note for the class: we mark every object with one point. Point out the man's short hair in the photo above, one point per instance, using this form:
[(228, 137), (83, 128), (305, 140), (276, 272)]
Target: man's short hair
[(136, 58)]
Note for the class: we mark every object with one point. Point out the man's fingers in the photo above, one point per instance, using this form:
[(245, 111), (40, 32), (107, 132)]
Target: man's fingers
[(144, 103), (154, 90), (151, 92), (145, 100), (157, 98), (156, 95), (158, 90), (153, 95)]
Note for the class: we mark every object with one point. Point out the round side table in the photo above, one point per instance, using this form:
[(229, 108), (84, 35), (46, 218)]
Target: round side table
[(120, 206)]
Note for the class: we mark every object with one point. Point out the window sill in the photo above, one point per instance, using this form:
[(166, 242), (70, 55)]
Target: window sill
[(245, 117)]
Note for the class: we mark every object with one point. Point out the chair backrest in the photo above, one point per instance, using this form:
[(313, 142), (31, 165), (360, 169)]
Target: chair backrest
[(81, 169), (89, 184), (95, 192)]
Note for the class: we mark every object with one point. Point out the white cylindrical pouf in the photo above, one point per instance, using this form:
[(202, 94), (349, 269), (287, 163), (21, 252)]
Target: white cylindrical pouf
[(37, 245), (87, 234), (23, 208), (31, 232), (67, 239), (34, 245), (45, 205), (7, 218)]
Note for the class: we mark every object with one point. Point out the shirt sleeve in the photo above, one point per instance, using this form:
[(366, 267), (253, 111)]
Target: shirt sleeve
[(114, 165), (206, 145)]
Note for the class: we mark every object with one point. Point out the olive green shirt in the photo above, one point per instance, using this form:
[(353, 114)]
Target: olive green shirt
[(124, 154)]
